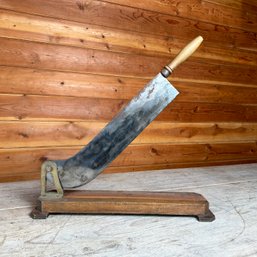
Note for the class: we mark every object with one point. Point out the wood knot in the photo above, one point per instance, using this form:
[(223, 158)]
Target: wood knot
[(120, 81), (196, 109), (24, 135), (81, 6), (43, 159), (155, 151)]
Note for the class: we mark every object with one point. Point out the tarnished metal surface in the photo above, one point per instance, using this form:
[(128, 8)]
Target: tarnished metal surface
[(117, 135), (49, 167)]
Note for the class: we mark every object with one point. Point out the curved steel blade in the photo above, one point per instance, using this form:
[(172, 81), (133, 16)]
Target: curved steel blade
[(117, 135)]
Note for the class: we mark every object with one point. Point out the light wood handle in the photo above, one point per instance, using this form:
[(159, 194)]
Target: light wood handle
[(184, 53)]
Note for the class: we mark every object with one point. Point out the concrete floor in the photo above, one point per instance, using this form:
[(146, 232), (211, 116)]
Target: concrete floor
[(230, 190)]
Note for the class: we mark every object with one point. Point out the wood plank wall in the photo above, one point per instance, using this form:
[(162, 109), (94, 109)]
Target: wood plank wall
[(68, 66)]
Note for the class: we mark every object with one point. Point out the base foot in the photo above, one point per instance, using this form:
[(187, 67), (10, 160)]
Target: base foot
[(206, 217), (38, 214)]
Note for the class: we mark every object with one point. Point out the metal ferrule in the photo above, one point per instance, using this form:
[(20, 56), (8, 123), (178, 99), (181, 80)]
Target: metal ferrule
[(166, 71)]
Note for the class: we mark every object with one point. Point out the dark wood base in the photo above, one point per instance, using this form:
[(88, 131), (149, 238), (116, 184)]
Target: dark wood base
[(125, 202)]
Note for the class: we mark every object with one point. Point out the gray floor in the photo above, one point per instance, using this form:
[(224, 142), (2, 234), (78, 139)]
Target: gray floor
[(231, 191)]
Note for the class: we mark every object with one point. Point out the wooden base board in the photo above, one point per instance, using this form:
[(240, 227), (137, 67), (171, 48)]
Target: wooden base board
[(126, 202)]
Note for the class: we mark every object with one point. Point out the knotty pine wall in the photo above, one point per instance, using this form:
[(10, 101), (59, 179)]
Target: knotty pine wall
[(68, 66)]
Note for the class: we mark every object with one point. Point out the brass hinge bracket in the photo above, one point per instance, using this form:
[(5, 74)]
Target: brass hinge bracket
[(50, 167)]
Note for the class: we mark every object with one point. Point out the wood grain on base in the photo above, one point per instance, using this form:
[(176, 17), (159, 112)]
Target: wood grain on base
[(125, 202)]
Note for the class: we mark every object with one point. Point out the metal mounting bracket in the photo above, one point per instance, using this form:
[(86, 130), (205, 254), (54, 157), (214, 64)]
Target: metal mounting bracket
[(50, 167)]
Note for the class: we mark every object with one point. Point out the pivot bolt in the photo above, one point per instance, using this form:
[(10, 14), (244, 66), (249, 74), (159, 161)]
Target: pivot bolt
[(83, 178), (49, 168)]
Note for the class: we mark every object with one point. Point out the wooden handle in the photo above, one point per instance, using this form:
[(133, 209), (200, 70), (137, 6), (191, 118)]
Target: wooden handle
[(184, 53)]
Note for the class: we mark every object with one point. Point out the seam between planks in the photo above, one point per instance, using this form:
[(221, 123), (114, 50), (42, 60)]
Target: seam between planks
[(188, 18)]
